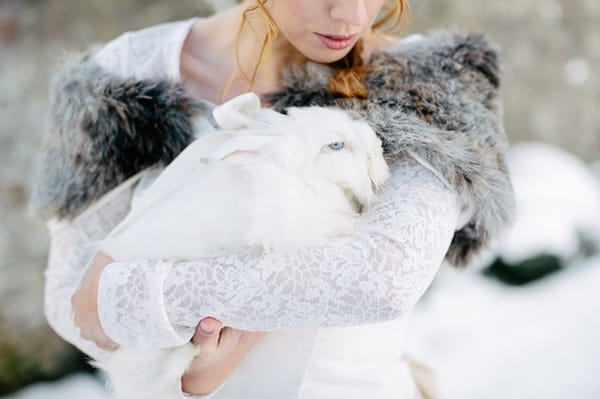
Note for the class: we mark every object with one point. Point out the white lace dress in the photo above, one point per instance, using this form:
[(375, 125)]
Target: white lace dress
[(335, 313)]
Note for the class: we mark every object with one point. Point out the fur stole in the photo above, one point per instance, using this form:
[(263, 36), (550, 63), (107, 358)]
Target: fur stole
[(435, 100)]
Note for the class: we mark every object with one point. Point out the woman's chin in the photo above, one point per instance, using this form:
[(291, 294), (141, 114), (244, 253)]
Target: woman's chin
[(327, 56)]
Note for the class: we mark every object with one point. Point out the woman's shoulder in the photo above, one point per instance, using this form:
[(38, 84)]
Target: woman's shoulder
[(128, 89), (149, 53)]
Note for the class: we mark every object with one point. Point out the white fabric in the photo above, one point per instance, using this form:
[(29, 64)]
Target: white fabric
[(71, 247), (376, 276), (150, 53)]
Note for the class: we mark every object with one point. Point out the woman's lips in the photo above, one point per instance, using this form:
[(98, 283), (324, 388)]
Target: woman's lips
[(336, 42)]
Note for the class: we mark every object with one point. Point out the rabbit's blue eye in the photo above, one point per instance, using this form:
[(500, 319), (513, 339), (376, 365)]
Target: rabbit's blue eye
[(337, 146)]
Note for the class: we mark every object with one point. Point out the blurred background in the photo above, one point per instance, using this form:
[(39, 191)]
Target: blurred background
[(523, 323)]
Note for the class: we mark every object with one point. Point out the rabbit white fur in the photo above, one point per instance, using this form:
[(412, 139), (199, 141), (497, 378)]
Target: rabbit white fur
[(266, 182)]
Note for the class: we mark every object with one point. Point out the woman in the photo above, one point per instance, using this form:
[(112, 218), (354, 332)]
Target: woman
[(449, 193)]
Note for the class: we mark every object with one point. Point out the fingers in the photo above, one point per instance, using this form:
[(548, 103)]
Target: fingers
[(98, 337), (102, 257), (99, 261), (242, 340), (233, 340), (90, 328), (106, 343), (207, 333), (85, 306)]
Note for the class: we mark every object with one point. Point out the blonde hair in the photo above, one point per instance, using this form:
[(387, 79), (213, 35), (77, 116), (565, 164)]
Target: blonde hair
[(349, 79)]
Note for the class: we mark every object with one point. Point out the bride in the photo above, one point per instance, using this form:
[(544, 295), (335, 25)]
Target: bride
[(328, 321)]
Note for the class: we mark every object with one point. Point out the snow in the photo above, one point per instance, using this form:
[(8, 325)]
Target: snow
[(485, 340), (77, 386), (558, 198)]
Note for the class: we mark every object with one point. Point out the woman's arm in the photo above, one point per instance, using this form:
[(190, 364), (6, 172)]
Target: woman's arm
[(377, 274), (72, 244), (71, 247)]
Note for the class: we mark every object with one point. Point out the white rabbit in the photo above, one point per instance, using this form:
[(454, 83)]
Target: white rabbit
[(267, 182)]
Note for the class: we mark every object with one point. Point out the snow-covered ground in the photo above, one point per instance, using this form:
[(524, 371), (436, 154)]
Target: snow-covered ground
[(488, 340), (78, 386), (558, 200)]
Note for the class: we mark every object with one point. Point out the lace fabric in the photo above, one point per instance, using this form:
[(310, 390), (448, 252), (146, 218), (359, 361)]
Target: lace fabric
[(375, 275), (72, 245), (150, 53)]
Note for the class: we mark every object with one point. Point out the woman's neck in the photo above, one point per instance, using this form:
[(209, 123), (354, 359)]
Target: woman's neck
[(276, 56), (210, 55), (209, 60)]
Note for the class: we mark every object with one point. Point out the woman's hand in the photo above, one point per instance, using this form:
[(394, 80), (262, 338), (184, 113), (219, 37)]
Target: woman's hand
[(221, 350), (85, 304)]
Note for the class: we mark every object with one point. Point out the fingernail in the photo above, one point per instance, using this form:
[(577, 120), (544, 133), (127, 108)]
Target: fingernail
[(205, 327)]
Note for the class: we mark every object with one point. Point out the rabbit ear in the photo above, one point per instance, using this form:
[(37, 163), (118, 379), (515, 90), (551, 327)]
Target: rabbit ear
[(245, 111), (244, 143), (238, 112)]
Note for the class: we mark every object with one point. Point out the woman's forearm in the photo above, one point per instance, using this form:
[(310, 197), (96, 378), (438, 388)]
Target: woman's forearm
[(377, 274), (71, 248)]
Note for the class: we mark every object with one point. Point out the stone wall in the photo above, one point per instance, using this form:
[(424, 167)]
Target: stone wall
[(551, 88)]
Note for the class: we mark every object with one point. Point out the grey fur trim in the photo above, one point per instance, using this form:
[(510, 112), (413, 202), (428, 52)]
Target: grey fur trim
[(436, 98), (103, 129)]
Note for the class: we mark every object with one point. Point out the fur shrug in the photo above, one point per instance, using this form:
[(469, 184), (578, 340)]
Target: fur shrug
[(435, 99)]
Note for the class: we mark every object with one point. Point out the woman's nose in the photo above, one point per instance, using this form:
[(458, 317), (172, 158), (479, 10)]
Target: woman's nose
[(352, 12)]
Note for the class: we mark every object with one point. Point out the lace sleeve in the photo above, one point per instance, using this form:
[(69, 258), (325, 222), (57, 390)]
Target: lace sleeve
[(377, 274), (71, 248), (150, 53)]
